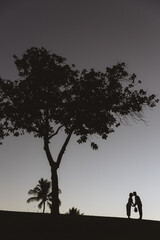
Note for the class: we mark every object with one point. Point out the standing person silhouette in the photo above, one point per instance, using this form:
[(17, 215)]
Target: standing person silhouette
[(129, 205), (138, 203)]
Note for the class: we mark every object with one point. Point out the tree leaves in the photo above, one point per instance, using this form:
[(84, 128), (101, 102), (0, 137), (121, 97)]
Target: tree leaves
[(51, 94), (94, 146)]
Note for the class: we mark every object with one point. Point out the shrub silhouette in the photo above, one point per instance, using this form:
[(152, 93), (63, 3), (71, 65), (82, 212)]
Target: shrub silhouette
[(74, 212)]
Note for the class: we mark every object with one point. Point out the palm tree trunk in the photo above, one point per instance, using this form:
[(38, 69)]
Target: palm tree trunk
[(43, 207)]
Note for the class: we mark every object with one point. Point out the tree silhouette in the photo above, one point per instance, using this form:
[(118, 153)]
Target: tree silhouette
[(74, 212), (42, 193), (53, 96)]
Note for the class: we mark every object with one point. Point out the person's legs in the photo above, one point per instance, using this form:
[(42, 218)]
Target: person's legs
[(128, 208), (140, 211)]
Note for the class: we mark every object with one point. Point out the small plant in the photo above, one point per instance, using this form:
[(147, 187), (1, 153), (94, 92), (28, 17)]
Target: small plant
[(74, 212)]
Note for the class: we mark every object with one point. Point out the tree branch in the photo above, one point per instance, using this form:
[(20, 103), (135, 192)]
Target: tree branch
[(63, 148), (55, 133), (48, 153)]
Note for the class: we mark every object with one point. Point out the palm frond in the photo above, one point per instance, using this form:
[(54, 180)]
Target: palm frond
[(32, 192), (49, 205), (32, 199), (40, 204)]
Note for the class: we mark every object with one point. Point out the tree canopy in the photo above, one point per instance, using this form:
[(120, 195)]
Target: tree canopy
[(50, 93)]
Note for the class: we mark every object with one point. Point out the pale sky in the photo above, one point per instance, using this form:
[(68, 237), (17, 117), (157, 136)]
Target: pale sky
[(90, 34)]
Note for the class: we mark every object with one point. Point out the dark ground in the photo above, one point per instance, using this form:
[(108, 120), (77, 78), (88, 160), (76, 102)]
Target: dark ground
[(36, 226)]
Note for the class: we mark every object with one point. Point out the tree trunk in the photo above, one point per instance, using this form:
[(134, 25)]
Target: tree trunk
[(54, 176), (43, 207), (54, 180), (55, 192)]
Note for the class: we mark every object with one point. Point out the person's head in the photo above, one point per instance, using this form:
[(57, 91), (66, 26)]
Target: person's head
[(134, 193), (131, 194)]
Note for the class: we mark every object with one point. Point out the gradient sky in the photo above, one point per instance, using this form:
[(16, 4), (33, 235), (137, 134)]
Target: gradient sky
[(90, 34)]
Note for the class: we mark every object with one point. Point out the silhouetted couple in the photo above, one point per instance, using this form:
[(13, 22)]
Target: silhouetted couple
[(136, 204)]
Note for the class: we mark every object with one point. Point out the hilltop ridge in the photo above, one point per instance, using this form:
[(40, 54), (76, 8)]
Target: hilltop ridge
[(37, 226)]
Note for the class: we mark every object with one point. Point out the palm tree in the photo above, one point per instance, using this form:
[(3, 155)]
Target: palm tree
[(42, 193)]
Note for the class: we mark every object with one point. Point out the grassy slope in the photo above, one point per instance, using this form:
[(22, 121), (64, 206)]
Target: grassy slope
[(21, 226)]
